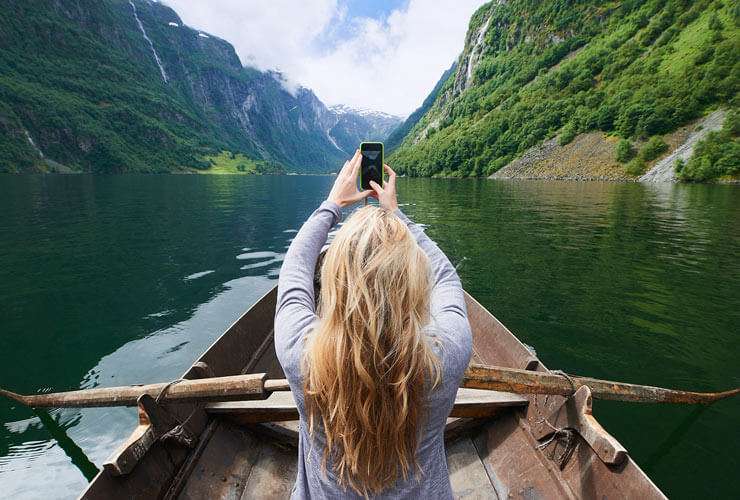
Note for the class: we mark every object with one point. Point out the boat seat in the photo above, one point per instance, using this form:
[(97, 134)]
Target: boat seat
[(280, 406)]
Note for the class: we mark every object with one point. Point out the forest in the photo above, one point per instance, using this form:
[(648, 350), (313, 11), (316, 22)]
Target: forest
[(635, 70)]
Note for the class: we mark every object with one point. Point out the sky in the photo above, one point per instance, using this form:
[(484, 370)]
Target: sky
[(384, 55)]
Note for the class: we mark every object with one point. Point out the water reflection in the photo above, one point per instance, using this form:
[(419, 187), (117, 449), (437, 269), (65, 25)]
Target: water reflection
[(116, 280)]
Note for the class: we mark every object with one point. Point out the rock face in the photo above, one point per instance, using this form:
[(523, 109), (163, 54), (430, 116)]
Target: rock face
[(123, 85), (664, 169), (588, 157)]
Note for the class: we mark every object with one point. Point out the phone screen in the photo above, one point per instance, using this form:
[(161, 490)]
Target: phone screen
[(372, 164)]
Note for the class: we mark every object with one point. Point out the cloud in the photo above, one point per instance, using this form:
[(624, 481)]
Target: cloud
[(388, 64)]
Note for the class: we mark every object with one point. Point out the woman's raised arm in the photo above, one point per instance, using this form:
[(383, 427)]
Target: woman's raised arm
[(295, 309), (448, 299)]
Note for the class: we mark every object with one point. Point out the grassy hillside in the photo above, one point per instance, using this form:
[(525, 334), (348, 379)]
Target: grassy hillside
[(533, 70), (87, 103), (83, 88)]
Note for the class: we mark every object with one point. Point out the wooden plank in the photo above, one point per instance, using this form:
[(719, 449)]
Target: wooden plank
[(224, 466), (590, 477), (280, 406), (273, 475), (515, 467), (468, 476), (286, 432)]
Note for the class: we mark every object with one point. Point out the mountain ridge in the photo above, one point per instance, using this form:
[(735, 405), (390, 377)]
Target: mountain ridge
[(124, 85)]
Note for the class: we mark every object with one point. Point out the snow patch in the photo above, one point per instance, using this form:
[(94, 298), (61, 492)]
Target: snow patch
[(342, 109)]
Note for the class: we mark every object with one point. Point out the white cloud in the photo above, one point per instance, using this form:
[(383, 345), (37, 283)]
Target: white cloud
[(385, 64)]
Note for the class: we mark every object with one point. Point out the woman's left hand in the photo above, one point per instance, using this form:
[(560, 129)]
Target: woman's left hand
[(345, 192)]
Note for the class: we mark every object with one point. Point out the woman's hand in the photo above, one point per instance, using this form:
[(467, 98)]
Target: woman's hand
[(386, 195), (345, 192)]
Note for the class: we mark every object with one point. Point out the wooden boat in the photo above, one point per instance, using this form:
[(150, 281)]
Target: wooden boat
[(219, 455)]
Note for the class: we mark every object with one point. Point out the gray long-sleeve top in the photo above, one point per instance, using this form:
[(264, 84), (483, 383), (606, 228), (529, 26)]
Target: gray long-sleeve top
[(294, 317)]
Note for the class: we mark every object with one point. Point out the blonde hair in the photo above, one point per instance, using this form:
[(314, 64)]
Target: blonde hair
[(367, 365)]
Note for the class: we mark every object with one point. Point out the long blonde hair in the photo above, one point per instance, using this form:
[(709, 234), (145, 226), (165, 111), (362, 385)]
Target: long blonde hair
[(367, 365)]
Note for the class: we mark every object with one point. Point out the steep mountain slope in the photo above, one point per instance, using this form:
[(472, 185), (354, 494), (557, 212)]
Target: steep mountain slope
[(398, 134), (119, 85), (531, 71), (354, 126)]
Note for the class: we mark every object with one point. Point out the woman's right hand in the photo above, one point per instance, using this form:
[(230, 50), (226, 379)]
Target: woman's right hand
[(386, 195)]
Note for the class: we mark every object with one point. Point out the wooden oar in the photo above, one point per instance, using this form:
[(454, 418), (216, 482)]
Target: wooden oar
[(231, 388), (255, 386), (557, 383)]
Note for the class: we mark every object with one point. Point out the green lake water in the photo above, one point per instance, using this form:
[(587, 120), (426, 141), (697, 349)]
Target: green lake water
[(113, 280)]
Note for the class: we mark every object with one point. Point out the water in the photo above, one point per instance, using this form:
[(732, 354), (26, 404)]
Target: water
[(127, 279)]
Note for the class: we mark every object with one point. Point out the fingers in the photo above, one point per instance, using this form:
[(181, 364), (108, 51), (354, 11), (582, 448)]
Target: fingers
[(355, 163), (356, 168), (376, 187), (391, 176)]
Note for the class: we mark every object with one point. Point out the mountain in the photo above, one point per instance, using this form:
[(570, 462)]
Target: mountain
[(123, 85), (353, 126), (396, 137), (588, 89)]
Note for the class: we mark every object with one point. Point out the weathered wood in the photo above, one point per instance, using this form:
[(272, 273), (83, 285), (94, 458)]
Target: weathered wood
[(224, 467), (273, 475), (494, 378), (468, 477), (280, 406), (575, 413), (513, 461), (155, 422), (230, 388), (130, 452), (516, 463), (498, 378)]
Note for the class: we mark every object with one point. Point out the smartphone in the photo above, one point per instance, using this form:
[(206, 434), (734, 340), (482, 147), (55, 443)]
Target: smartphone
[(371, 168)]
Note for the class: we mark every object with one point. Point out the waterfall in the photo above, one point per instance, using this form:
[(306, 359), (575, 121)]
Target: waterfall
[(149, 40), (33, 144)]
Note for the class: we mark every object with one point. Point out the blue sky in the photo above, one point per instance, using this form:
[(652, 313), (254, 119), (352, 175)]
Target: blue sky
[(384, 55), (354, 10), (373, 8)]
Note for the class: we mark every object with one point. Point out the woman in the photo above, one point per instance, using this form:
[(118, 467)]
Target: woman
[(375, 370)]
